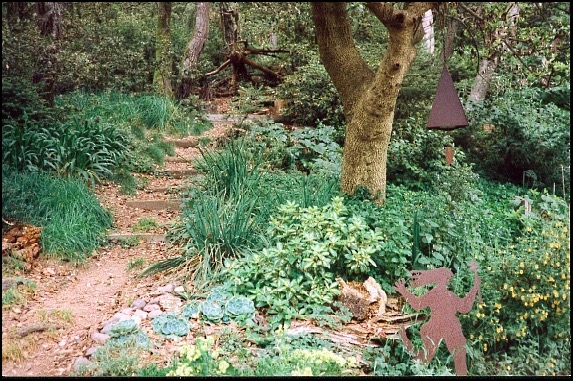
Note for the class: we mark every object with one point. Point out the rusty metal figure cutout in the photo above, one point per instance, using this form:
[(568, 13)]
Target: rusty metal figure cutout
[(443, 323)]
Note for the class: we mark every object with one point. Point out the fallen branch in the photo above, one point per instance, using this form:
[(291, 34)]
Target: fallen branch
[(35, 327)]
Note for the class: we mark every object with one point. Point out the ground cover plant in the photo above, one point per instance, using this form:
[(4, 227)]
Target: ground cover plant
[(72, 219)]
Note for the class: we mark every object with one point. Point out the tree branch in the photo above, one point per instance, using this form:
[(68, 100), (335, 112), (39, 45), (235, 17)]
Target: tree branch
[(224, 65)]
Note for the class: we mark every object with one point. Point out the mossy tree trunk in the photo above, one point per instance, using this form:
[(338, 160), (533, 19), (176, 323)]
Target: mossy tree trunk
[(368, 97)]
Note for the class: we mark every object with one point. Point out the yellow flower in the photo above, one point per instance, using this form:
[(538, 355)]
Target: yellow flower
[(521, 264)]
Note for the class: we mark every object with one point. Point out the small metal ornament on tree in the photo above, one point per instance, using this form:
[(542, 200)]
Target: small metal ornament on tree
[(447, 112)]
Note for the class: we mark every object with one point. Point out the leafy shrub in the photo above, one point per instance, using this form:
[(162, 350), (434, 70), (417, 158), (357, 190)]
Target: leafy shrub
[(416, 153), (526, 293), (309, 149), (312, 98), (20, 100), (313, 247), (529, 135)]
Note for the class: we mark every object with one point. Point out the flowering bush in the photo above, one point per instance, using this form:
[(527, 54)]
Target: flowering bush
[(526, 292)]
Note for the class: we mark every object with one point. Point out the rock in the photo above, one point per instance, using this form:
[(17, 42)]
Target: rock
[(127, 311), (167, 288), (107, 327), (91, 351), (153, 314), (99, 338), (169, 302), (136, 319), (151, 307), (121, 316), (141, 314), (138, 304), (81, 362), (153, 301), (179, 289)]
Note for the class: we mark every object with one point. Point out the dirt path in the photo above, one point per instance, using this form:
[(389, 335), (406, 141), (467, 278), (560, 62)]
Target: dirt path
[(56, 326)]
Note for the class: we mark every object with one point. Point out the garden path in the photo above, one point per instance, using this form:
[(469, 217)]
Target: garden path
[(56, 326)]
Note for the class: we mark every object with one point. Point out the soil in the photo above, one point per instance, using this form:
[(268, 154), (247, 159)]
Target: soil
[(47, 333)]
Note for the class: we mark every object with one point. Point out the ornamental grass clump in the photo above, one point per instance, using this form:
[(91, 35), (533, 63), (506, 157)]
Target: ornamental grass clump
[(312, 247)]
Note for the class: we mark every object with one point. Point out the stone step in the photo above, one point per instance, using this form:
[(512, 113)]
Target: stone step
[(178, 173), (139, 237), (173, 205), (169, 190), (177, 159), (183, 143), (227, 118)]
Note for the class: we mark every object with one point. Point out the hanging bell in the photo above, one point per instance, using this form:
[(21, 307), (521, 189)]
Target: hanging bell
[(447, 112)]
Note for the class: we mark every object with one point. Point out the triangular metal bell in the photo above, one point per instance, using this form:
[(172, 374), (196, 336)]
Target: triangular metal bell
[(447, 112)]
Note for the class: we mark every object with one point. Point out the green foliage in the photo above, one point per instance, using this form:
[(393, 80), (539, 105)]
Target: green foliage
[(88, 149), (170, 326), (230, 170), (200, 360), (313, 247), (312, 98), (145, 225), (22, 101), (73, 221), (307, 362), (15, 294), (526, 292), (415, 153), (309, 149), (221, 306), (523, 123)]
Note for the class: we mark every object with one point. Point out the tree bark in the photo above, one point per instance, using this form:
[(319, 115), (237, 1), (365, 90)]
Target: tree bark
[(368, 98), (488, 65), (195, 46), (50, 16), (162, 75)]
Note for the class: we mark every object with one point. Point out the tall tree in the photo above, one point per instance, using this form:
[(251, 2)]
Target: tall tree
[(368, 98), (195, 46), (193, 50), (162, 74), (50, 16)]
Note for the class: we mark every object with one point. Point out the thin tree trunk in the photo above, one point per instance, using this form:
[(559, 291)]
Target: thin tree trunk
[(162, 75), (195, 46), (50, 16)]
